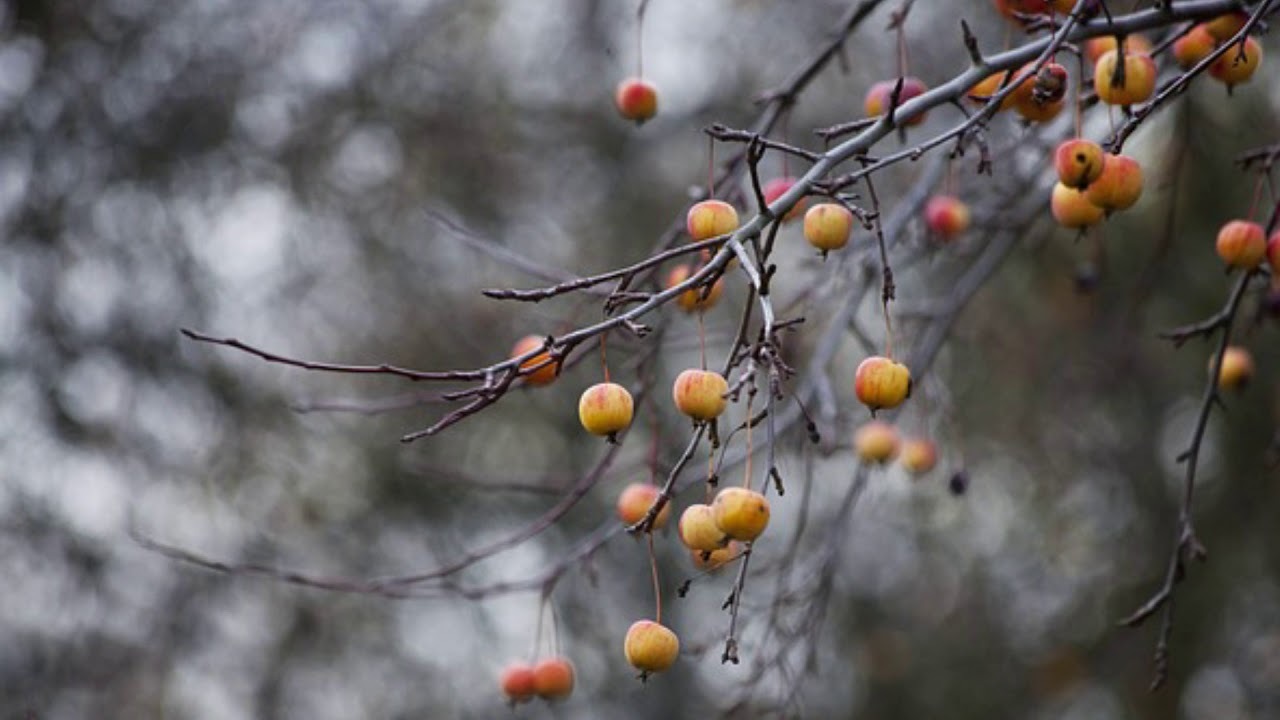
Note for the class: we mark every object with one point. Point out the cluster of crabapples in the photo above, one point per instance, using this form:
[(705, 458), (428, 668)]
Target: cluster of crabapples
[(1243, 245), (1091, 184), (714, 532)]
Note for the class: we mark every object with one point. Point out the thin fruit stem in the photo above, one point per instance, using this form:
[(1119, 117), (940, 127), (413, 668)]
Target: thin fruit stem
[(711, 167), (555, 630), (702, 340), (1079, 81), (1257, 196), (604, 360), (640, 41), (537, 630), (657, 589), (947, 182), (746, 475), (888, 330)]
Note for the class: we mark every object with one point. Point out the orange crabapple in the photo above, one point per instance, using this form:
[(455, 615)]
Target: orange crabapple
[(1138, 83), (518, 682), (636, 100), (876, 442), (1242, 244), (987, 87), (1071, 208), (1233, 67), (1095, 47), (692, 300), (776, 188), (709, 560), (542, 375), (878, 97), (1078, 162), (605, 409), (1193, 47), (741, 514), (634, 502), (880, 382), (918, 456), (553, 678), (711, 218), (1223, 27), (700, 394), (698, 530), (946, 216), (650, 647), (827, 226), (1119, 186), (1237, 368)]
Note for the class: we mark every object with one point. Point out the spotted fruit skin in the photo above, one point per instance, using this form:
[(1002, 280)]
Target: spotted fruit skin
[(741, 514), (881, 383), (553, 678), (827, 226), (711, 218), (650, 647), (698, 530), (1079, 162), (876, 442), (1242, 244), (714, 559), (1040, 96), (700, 394), (634, 502), (636, 100), (605, 409)]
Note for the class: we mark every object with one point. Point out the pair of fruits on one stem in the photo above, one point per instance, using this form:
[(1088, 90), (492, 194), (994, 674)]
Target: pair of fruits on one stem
[(1234, 66), (877, 442), (1092, 183), (550, 679), (736, 513)]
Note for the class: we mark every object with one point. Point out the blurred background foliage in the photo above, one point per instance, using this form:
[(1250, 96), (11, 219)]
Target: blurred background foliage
[(279, 171)]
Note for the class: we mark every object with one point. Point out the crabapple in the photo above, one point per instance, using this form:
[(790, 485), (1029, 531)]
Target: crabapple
[(740, 513)]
